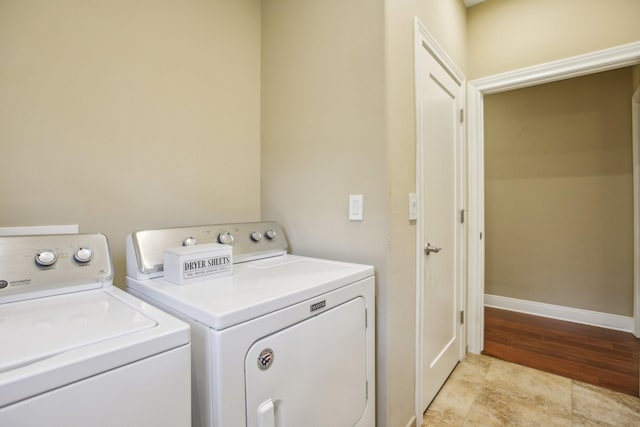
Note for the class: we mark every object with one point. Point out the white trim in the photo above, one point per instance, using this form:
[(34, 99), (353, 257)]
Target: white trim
[(589, 63), (635, 124), (412, 422), (608, 59), (40, 229), (475, 242), (424, 40), (570, 314)]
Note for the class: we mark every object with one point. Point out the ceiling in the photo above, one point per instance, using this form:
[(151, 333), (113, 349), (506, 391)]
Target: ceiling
[(470, 3)]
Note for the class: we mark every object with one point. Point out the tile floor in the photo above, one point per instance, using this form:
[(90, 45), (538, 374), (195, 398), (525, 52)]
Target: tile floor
[(483, 391)]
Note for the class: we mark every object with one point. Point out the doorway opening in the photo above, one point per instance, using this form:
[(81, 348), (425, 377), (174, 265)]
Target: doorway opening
[(622, 56), (559, 199)]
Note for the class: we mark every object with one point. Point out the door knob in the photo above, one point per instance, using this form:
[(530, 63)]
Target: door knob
[(431, 249)]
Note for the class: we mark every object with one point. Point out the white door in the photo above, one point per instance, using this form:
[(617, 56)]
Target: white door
[(439, 98)]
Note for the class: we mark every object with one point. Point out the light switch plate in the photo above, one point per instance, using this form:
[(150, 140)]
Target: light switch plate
[(355, 207), (413, 207)]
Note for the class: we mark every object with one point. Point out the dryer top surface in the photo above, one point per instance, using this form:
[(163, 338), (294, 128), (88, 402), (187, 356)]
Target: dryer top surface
[(255, 288)]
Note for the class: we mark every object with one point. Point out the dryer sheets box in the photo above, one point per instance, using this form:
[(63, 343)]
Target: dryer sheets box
[(187, 264)]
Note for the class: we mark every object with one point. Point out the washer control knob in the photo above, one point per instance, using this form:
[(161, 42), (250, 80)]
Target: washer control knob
[(270, 234), (189, 241), (255, 236), (225, 238), (46, 258), (83, 254)]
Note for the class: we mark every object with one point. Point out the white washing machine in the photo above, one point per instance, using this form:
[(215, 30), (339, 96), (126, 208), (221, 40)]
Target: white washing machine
[(77, 351), (285, 341)]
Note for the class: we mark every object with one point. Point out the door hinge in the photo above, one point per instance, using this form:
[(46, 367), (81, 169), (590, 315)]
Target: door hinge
[(462, 316), (462, 115), (461, 216)]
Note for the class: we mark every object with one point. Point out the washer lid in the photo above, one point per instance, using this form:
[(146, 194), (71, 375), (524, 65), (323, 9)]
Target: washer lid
[(37, 329)]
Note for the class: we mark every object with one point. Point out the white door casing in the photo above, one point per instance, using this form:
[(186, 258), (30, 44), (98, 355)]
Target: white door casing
[(440, 335), (635, 123), (603, 60)]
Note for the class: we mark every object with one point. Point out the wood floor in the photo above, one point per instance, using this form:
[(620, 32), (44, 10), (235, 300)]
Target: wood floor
[(597, 356)]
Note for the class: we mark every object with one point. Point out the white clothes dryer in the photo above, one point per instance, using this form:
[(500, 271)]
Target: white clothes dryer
[(76, 350), (284, 341)]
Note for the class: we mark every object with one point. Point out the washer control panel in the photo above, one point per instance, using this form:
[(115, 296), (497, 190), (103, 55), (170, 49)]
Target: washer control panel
[(249, 240), (50, 264)]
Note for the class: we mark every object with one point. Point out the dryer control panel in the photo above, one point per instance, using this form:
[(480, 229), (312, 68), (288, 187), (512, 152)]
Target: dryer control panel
[(249, 240), (41, 265)]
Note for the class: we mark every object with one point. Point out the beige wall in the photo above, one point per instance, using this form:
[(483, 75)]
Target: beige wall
[(323, 137), (322, 127), (338, 119), (124, 115), (504, 35), (559, 193)]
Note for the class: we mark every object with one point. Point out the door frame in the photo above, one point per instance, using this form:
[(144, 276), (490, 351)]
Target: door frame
[(424, 40), (598, 61), (635, 129)]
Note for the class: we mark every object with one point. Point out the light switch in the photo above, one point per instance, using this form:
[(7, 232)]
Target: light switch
[(355, 207), (413, 207)]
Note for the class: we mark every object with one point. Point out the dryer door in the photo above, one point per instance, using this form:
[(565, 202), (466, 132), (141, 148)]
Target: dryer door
[(313, 373)]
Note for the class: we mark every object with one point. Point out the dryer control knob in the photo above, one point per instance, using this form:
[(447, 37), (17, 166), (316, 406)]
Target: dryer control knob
[(255, 236), (83, 254), (270, 234), (225, 238), (46, 258), (189, 241)]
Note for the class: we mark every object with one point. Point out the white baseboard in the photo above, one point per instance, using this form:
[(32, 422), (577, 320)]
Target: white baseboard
[(577, 315), (412, 422)]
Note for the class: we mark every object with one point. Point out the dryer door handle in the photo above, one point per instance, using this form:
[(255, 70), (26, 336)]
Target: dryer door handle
[(267, 414)]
